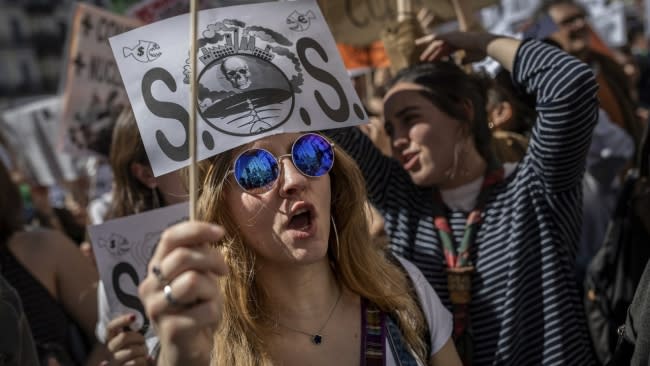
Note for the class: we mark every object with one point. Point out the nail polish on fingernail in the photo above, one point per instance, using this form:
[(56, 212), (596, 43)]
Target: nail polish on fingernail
[(132, 318)]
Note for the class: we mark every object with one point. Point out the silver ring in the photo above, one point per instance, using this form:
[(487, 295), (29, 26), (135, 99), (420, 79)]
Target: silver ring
[(168, 295)]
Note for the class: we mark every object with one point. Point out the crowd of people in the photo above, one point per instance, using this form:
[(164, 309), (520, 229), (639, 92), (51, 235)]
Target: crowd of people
[(477, 219)]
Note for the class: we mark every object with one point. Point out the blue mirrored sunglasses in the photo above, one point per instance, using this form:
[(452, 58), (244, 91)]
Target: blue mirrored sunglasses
[(256, 170)]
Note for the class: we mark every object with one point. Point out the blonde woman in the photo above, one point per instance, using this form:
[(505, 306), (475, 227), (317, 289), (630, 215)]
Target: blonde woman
[(282, 270)]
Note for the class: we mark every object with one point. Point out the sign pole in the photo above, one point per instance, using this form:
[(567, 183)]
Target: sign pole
[(193, 183)]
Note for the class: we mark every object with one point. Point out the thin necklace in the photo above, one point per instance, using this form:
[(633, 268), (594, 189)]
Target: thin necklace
[(316, 338)]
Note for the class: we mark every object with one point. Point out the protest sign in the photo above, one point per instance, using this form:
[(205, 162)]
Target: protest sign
[(122, 249), (93, 91), (153, 10), (263, 69), (360, 22), (32, 129), (610, 24)]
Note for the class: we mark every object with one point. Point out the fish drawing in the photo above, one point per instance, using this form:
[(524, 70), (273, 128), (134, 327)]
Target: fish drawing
[(300, 22), (116, 244), (144, 51)]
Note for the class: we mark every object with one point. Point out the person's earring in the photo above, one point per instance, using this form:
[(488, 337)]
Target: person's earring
[(336, 236), (490, 124)]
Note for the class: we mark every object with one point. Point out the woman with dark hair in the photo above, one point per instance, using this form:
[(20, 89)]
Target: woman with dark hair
[(496, 241), (56, 284)]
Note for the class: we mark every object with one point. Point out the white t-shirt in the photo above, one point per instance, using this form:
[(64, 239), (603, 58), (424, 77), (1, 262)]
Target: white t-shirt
[(439, 319)]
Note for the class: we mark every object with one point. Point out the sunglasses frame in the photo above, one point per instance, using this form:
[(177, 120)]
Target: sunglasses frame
[(278, 161)]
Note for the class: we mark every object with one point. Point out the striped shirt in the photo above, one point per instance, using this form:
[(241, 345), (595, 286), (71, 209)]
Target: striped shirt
[(525, 309)]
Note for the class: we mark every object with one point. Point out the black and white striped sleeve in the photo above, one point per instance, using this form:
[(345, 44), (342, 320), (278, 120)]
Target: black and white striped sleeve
[(567, 106), (380, 171)]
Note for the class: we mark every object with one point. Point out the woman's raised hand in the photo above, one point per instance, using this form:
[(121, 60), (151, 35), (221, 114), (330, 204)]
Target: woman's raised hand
[(443, 45), (181, 293), (127, 347), (477, 45)]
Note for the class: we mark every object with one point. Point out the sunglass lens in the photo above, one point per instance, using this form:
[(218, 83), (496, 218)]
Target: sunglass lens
[(256, 170), (313, 155)]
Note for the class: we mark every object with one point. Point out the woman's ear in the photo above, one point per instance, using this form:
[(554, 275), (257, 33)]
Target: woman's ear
[(501, 114), (144, 174)]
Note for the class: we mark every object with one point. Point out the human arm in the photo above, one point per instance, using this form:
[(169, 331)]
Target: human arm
[(185, 262), (76, 282), (446, 356)]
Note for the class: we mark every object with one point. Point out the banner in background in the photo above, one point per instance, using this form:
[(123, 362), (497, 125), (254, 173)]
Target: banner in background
[(360, 22), (263, 69), (122, 249), (93, 92), (153, 10), (610, 24), (32, 130)]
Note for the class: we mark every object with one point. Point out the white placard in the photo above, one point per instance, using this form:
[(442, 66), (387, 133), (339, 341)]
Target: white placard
[(93, 91), (123, 248), (263, 69), (609, 22), (32, 129)]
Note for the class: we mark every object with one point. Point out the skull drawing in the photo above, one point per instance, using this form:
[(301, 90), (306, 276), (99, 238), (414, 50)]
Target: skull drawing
[(236, 71)]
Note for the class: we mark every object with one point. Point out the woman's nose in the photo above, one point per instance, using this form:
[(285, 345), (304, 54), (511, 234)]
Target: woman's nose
[(291, 181)]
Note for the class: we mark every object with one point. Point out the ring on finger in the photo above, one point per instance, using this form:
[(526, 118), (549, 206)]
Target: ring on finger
[(167, 290)]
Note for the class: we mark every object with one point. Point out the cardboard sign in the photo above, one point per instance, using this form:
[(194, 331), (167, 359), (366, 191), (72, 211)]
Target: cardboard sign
[(32, 129), (123, 248), (93, 90), (263, 69), (153, 10), (360, 22)]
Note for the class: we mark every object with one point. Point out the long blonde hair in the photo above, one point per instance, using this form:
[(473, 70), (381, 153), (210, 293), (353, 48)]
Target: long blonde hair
[(358, 265)]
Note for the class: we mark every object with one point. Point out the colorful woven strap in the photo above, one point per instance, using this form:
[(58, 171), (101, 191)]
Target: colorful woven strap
[(373, 341), (457, 258)]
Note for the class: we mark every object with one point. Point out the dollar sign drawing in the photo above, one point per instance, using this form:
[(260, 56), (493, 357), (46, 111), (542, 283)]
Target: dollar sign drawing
[(140, 51)]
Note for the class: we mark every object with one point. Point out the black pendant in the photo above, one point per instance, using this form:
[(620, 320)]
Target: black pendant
[(317, 339)]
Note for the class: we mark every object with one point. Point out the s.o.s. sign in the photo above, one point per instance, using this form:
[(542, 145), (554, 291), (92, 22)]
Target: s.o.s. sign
[(262, 69)]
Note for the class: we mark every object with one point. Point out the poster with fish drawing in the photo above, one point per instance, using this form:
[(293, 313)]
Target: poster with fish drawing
[(262, 69), (31, 129), (93, 91), (122, 249)]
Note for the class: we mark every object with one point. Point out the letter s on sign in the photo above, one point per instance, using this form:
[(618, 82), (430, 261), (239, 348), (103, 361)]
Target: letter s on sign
[(130, 301), (340, 114), (166, 110)]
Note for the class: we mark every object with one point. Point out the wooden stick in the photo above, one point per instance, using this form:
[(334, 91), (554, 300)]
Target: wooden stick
[(193, 183), (404, 10), (466, 19)]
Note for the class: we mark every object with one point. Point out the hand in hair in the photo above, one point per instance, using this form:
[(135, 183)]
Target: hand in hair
[(477, 45), (127, 347), (181, 292)]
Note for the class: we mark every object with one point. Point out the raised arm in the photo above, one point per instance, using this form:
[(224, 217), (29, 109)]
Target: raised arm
[(565, 93)]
